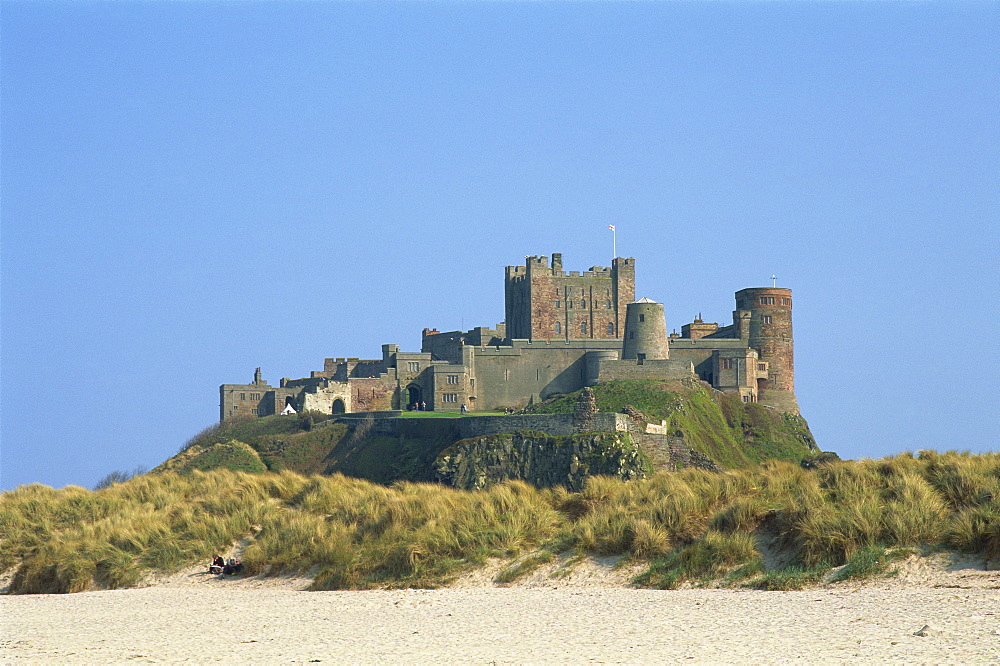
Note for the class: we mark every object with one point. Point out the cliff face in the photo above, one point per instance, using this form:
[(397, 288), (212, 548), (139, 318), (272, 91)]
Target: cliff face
[(473, 464)]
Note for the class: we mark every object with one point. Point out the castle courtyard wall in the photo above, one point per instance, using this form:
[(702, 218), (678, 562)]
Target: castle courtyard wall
[(656, 370), (531, 370)]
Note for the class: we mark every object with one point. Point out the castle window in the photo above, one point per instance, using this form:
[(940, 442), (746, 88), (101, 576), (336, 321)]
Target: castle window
[(767, 300), (631, 335), (583, 304), (569, 304), (746, 398), (767, 319), (413, 366), (449, 397), (452, 379), (558, 304), (642, 317), (762, 366), (558, 327), (254, 411), (727, 364), (583, 327), (611, 328), (786, 301), (607, 305)]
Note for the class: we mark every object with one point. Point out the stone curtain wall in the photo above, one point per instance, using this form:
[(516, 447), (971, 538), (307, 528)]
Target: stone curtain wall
[(552, 424)]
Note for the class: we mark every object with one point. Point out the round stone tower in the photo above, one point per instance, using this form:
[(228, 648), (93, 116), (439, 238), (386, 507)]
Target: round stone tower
[(645, 331), (770, 333)]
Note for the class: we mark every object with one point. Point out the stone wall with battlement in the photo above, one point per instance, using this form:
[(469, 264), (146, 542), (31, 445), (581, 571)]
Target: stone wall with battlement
[(384, 423), (544, 301)]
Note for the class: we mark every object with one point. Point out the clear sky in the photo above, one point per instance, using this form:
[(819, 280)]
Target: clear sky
[(191, 190)]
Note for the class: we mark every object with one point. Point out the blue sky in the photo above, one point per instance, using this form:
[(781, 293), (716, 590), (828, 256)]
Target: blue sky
[(191, 190)]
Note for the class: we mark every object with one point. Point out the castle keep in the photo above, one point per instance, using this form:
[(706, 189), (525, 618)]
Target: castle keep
[(562, 331)]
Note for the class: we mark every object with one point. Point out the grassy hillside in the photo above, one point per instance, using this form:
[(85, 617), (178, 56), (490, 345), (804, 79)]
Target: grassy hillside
[(308, 445), (352, 534), (721, 426)]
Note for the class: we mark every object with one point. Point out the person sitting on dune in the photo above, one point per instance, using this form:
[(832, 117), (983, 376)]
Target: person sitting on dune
[(217, 565), (233, 566)]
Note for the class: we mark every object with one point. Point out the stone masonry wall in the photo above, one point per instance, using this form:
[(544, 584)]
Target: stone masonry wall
[(660, 370), (552, 424)]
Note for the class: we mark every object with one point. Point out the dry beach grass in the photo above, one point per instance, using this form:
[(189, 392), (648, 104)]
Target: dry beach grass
[(866, 554)]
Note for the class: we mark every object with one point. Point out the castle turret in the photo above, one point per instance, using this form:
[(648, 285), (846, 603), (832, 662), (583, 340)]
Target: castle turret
[(645, 331), (770, 333)]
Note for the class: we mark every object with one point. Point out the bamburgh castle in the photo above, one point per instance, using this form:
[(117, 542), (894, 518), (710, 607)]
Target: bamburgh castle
[(563, 330)]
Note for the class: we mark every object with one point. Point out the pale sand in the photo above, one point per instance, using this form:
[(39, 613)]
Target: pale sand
[(580, 617)]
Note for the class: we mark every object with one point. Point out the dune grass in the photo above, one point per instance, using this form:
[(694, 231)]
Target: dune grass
[(689, 527)]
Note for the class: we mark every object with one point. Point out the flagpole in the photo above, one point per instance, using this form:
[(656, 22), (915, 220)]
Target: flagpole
[(614, 241)]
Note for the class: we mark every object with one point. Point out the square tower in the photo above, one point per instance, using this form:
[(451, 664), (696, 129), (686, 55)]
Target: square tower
[(542, 301)]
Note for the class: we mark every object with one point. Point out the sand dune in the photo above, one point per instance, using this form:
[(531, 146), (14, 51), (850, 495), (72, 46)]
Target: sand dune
[(584, 616)]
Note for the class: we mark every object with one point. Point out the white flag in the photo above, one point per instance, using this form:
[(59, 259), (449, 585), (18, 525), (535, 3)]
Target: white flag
[(611, 226)]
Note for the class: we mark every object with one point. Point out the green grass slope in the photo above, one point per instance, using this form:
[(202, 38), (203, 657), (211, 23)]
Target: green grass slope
[(721, 426), (307, 445)]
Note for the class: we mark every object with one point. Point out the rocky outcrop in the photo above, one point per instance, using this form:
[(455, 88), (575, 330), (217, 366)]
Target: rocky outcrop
[(539, 459)]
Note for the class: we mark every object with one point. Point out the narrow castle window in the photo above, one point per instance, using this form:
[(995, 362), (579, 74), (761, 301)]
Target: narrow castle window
[(413, 366), (767, 319), (583, 304), (611, 328), (452, 379), (607, 305), (786, 301), (631, 335), (558, 327), (243, 396), (642, 317), (727, 364), (583, 327), (569, 304), (558, 304)]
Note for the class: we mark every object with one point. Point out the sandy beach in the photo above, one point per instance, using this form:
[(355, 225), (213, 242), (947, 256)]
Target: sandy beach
[(585, 617)]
